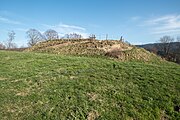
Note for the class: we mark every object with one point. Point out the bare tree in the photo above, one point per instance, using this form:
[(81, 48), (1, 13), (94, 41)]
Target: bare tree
[(73, 36), (178, 39), (11, 36), (51, 35), (178, 46), (2, 46), (165, 44), (92, 36), (34, 36)]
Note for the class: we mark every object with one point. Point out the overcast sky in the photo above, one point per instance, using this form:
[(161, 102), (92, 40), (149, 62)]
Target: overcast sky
[(138, 21)]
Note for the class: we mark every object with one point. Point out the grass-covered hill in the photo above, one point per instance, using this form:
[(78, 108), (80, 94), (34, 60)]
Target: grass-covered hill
[(86, 47), (50, 86)]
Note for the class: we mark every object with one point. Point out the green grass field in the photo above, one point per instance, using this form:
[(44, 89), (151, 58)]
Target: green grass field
[(45, 86)]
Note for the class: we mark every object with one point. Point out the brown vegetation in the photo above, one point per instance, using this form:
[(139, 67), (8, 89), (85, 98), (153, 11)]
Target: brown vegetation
[(88, 47)]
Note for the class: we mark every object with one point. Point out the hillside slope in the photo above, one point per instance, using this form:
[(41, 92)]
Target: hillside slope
[(47, 86), (86, 47)]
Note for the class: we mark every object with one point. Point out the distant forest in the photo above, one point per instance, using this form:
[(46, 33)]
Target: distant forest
[(170, 51)]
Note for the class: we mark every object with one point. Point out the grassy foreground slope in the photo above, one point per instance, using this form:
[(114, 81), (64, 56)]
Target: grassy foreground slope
[(44, 86)]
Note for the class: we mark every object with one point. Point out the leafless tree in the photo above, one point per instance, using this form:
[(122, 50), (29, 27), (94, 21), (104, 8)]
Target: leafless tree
[(51, 35), (73, 36), (178, 45), (34, 36), (2, 46), (92, 36), (9, 43), (166, 44), (178, 39)]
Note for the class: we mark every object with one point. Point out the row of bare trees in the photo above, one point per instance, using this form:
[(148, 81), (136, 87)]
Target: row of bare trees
[(73, 36), (34, 36)]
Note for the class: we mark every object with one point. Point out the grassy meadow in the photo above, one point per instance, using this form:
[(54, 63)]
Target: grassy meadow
[(49, 86)]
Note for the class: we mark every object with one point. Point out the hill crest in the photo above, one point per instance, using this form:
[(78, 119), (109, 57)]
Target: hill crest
[(86, 47)]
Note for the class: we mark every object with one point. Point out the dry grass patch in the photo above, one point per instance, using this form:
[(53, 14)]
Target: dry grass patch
[(1, 78), (92, 96), (22, 93), (72, 77), (92, 115)]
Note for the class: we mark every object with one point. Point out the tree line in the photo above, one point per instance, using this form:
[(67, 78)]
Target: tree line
[(167, 47), (34, 36), (170, 48)]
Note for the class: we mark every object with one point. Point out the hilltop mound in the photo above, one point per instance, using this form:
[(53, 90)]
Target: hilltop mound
[(86, 47)]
